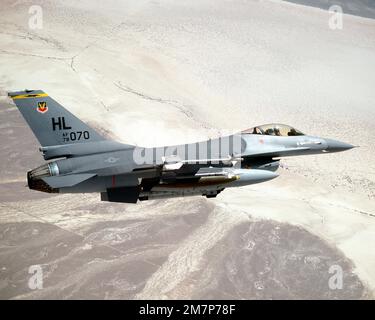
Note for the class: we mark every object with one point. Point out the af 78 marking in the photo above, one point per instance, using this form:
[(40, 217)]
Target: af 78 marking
[(76, 136)]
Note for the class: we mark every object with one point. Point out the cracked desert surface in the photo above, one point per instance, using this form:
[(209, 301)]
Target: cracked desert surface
[(154, 73)]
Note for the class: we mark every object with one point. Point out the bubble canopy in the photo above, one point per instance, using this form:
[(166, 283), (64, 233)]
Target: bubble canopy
[(274, 129)]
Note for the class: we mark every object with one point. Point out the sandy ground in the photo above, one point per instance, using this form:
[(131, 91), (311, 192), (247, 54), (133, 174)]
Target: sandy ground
[(160, 72)]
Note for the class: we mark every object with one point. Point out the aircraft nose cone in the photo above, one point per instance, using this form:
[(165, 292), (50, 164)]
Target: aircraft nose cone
[(337, 146)]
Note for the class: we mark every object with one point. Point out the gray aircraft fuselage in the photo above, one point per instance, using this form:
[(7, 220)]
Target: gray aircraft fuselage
[(81, 161)]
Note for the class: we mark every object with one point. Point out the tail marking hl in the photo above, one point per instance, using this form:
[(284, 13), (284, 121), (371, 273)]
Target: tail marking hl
[(57, 126)]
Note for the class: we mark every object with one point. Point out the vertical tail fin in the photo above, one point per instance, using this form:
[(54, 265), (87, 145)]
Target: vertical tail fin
[(50, 122)]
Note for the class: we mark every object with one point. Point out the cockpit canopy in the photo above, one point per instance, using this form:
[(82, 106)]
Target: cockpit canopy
[(274, 129)]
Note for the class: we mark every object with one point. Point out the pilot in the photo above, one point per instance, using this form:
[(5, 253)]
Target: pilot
[(292, 132), (256, 131), (270, 132), (277, 131)]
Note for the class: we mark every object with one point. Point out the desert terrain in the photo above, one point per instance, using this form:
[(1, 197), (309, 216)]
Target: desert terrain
[(162, 72)]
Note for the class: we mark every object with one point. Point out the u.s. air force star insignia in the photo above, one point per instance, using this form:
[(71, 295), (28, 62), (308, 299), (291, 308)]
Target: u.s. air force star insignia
[(42, 107)]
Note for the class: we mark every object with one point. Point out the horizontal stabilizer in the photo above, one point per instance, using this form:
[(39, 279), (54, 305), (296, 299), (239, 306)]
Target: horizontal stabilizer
[(68, 180), (82, 149)]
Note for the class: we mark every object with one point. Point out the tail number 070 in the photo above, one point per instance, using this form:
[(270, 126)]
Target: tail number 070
[(76, 136)]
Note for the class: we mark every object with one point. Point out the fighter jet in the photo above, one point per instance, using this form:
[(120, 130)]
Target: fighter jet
[(80, 160)]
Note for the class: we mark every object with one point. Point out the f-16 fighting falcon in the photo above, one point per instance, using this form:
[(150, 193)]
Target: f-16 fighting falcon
[(83, 161)]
